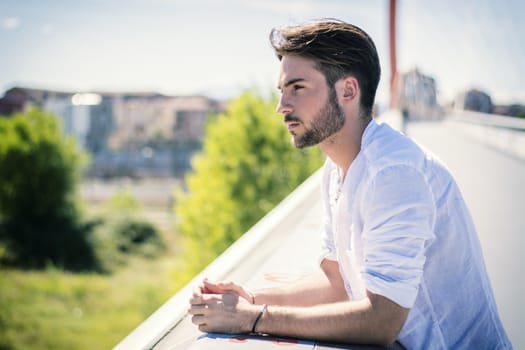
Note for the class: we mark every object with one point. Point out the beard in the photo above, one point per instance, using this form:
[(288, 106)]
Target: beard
[(327, 122)]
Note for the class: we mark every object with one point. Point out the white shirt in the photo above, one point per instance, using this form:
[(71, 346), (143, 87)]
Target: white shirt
[(400, 228)]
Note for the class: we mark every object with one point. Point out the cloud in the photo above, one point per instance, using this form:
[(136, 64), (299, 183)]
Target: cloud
[(10, 23)]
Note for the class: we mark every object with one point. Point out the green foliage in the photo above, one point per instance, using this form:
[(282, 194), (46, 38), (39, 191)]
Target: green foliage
[(39, 167), (123, 200), (53, 309), (134, 235), (247, 166), (122, 233), (120, 237), (39, 173)]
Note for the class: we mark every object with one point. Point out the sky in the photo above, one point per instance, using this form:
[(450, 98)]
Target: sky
[(219, 47)]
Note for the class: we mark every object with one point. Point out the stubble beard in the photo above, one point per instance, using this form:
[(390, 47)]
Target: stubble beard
[(327, 122)]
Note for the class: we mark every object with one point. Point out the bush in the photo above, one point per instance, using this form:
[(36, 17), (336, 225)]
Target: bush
[(133, 236), (120, 237), (63, 242), (39, 172), (247, 166), (39, 167)]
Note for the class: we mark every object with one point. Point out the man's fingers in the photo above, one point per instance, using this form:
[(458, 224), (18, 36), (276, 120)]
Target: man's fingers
[(199, 297), (223, 287), (213, 287), (199, 309), (229, 285), (205, 303), (206, 299), (196, 299), (198, 320), (197, 291), (200, 316), (204, 328), (207, 287)]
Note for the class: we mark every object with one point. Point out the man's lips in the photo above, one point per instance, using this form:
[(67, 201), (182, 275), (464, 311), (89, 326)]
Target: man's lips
[(292, 122), (292, 125)]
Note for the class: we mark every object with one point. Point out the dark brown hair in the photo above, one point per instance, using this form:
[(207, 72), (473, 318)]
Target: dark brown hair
[(339, 49)]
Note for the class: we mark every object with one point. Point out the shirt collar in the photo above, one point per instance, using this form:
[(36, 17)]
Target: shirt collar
[(367, 134)]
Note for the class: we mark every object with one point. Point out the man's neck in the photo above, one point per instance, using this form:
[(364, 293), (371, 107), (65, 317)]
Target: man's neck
[(344, 146)]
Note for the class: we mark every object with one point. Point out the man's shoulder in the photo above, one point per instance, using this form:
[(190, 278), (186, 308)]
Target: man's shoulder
[(387, 147)]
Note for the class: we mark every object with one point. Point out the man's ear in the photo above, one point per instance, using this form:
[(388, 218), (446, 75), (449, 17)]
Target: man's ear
[(350, 88)]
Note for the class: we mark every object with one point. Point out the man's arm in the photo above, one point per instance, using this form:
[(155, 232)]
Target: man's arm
[(321, 287), (373, 320), (314, 308), (324, 286)]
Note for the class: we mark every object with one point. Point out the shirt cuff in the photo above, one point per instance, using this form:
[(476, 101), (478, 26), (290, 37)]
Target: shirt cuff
[(401, 293), (328, 255)]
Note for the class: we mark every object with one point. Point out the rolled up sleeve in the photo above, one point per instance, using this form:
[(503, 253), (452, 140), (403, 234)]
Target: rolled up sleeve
[(398, 217)]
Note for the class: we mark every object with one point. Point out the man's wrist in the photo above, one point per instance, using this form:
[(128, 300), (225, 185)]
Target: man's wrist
[(260, 314)]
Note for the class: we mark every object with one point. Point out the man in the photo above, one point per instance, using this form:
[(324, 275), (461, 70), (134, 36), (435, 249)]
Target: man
[(401, 259)]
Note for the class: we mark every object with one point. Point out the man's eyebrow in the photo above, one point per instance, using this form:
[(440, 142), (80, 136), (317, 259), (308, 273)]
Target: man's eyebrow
[(290, 82)]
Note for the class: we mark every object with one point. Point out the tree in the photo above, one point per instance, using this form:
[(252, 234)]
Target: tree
[(39, 173), (247, 166)]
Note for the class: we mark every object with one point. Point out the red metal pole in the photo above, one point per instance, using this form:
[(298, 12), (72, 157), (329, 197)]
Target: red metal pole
[(393, 62)]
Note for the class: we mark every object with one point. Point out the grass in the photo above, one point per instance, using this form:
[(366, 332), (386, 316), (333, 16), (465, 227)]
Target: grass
[(54, 309)]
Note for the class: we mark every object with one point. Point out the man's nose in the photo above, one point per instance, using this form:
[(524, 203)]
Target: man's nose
[(284, 106)]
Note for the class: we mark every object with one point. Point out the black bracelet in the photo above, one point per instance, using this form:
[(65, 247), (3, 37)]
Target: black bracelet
[(263, 310)]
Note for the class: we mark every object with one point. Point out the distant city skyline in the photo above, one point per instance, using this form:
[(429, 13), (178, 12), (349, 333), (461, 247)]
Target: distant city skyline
[(218, 48)]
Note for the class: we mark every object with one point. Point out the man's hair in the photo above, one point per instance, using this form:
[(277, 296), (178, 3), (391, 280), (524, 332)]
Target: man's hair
[(338, 49)]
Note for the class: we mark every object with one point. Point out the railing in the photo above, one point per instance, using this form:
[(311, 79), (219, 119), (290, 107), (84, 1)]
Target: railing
[(490, 120), (507, 134)]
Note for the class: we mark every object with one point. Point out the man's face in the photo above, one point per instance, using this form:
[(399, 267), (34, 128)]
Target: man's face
[(311, 110)]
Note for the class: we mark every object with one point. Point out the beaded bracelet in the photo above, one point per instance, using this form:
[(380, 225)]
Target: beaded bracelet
[(263, 310)]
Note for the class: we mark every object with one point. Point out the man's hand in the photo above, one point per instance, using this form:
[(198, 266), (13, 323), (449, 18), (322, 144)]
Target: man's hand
[(209, 287), (217, 307)]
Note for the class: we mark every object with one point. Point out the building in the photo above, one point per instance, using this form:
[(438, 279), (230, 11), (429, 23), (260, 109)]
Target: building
[(474, 100), (101, 125), (19, 99), (512, 110), (141, 133), (76, 111), (142, 117), (418, 95)]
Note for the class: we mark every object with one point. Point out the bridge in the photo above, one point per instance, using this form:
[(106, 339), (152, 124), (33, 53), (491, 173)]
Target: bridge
[(486, 154)]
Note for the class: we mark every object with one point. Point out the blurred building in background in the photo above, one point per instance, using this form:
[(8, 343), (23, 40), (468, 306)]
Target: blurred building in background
[(418, 96), (512, 110), (474, 100), (480, 101), (127, 134)]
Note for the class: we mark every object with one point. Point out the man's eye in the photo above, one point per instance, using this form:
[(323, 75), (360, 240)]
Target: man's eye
[(297, 87)]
